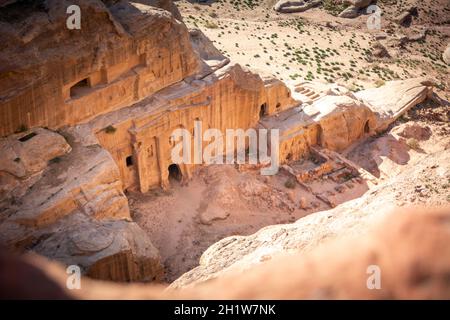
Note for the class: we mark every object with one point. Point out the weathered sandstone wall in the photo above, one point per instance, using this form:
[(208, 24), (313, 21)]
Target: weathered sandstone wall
[(113, 57), (66, 203), (116, 90), (412, 267)]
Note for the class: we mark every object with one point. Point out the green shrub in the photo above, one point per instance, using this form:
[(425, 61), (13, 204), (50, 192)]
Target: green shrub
[(290, 183), (413, 143), (110, 129)]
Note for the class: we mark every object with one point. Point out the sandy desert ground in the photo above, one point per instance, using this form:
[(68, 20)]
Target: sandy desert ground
[(317, 45)]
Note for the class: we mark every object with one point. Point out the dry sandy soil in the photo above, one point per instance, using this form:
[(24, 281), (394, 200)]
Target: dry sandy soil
[(317, 45)]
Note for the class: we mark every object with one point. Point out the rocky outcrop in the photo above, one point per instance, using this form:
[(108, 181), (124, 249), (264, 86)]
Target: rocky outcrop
[(238, 255), (393, 99), (289, 6), (92, 69), (350, 12), (446, 55), (355, 9), (394, 248), (73, 208), (408, 265), (405, 18), (25, 156)]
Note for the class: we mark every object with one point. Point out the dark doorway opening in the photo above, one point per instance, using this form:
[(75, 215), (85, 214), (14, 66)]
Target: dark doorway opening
[(263, 110), (320, 136), (28, 137), (129, 161), (367, 127), (174, 173), (79, 88)]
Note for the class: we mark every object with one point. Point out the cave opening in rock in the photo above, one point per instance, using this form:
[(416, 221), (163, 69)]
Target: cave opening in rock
[(27, 137), (263, 110), (174, 173), (367, 127), (78, 88), (129, 161)]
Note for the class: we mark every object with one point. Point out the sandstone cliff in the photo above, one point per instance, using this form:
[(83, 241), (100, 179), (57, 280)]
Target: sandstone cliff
[(67, 203), (92, 68), (406, 259), (91, 118)]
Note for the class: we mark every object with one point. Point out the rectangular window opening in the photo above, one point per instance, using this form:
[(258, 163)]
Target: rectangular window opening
[(28, 137), (129, 161)]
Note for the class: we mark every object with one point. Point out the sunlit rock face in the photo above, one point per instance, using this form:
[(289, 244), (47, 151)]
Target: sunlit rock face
[(110, 62), (88, 114)]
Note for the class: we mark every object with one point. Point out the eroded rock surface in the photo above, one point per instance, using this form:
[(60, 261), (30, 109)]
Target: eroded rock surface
[(395, 246), (446, 55), (75, 211), (116, 90), (239, 254), (289, 6)]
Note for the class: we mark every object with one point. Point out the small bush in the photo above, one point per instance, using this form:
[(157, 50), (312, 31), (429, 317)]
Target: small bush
[(55, 160), (290, 183), (110, 129), (379, 83), (211, 25), (413, 143), (21, 128)]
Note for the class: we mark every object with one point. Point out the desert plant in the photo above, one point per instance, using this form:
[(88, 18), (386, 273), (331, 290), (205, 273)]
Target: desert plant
[(290, 183), (110, 129), (211, 25), (413, 143), (379, 83), (21, 128), (55, 160)]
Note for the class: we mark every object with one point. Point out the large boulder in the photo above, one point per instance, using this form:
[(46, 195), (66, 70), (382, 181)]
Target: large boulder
[(446, 55), (360, 3), (379, 51), (286, 6), (406, 16), (395, 98), (67, 204), (24, 156), (350, 13), (355, 9)]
